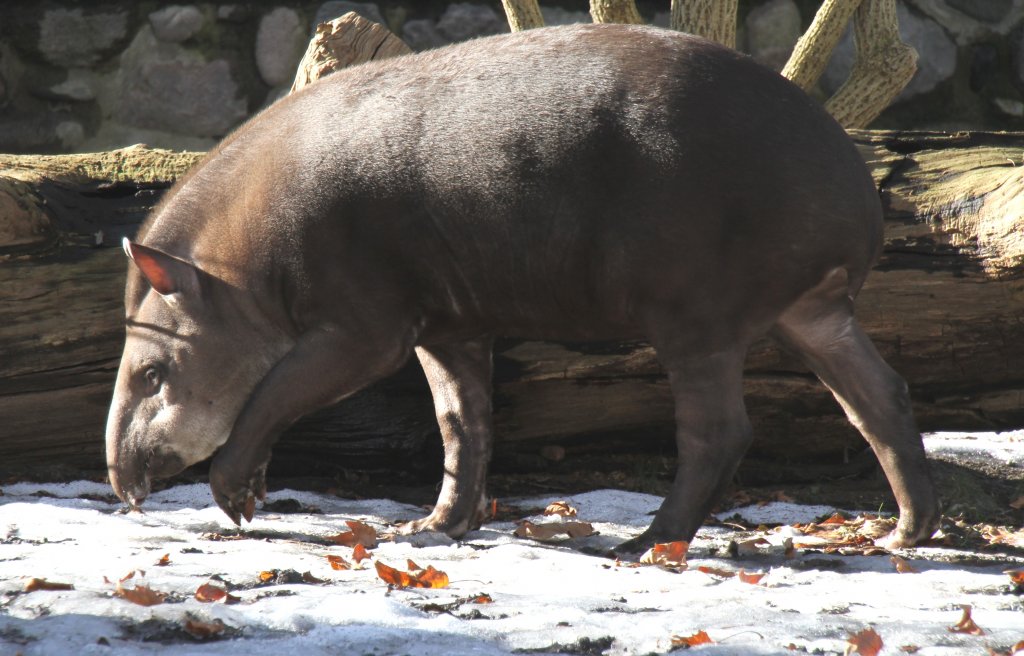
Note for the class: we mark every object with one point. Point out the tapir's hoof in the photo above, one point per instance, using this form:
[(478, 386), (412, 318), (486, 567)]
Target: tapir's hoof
[(640, 544), (438, 523), (238, 501)]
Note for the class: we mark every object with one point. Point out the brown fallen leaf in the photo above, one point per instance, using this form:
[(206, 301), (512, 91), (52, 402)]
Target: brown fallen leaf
[(130, 575), (482, 599), (716, 571), (910, 649), (901, 565), (35, 584), (528, 529), (836, 518), (141, 594), (1016, 576), (209, 593), (753, 578), (359, 553), (698, 638), (415, 578), (338, 563), (267, 575), (560, 508), (667, 554), (865, 643), (164, 561), (201, 630), (966, 624), (750, 547), (358, 533)]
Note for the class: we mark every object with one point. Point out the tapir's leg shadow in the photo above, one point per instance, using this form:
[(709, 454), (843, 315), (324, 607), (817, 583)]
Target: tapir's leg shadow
[(822, 330), (460, 381)]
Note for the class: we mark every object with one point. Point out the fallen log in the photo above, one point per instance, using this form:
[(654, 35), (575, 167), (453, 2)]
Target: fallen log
[(945, 307)]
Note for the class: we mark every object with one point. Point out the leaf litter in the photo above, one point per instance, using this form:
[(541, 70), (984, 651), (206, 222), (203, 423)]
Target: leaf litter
[(536, 594)]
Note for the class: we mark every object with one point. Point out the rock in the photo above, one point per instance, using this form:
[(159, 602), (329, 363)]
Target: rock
[(984, 66), (163, 86), (233, 13), (463, 20), (112, 135), (176, 23), (990, 11), (70, 37), (936, 61), (422, 34), (1010, 106), (79, 86), (280, 42), (70, 133), (559, 16), (331, 10), (772, 30)]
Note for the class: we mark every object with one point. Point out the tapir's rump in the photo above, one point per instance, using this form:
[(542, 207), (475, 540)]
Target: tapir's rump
[(582, 182)]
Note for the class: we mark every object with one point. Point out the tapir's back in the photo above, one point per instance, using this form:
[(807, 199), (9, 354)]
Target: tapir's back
[(575, 173)]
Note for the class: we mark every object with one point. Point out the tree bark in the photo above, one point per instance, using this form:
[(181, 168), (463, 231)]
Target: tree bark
[(945, 307), (345, 41), (712, 19), (522, 14), (615, 11)]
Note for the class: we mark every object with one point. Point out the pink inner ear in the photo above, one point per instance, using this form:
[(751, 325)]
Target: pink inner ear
[(157, 275)]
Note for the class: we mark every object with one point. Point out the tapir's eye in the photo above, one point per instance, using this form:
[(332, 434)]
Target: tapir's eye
[(153, 378)]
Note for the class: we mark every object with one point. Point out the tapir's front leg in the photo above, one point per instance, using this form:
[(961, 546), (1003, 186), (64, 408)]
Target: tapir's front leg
[(326, 365), (460, 380)]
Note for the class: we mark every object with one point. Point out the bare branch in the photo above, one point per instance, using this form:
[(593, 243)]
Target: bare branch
[(712, 19), (523, 14), (883, 68), (615, 11), (812, 51), (344, 41)]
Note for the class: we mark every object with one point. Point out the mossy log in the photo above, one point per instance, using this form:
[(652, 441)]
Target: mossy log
[(945, 307)]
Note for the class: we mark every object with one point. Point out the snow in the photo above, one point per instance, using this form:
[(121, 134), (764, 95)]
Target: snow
[(546, 596)]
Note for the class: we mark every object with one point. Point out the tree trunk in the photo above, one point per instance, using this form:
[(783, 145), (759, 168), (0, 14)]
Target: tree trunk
[(945, 307)]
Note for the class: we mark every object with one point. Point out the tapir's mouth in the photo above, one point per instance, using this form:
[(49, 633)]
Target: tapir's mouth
[(133, 484)]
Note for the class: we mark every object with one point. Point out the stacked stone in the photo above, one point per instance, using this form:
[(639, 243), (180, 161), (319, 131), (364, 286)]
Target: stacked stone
[(95, 76)]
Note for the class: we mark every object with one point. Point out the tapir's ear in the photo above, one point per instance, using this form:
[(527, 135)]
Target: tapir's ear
[(167, 275)]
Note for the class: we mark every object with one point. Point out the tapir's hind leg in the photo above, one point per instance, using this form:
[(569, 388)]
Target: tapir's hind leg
[(821, 328), (460, 381), (712, 434)]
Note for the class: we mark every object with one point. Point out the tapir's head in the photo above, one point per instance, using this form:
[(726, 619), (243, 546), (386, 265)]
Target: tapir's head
[(194, 353)]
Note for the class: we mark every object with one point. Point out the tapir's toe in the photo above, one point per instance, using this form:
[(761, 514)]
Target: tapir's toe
[(437, 523)]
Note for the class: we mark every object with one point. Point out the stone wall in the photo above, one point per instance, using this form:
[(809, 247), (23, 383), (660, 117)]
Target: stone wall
[(84, 76)]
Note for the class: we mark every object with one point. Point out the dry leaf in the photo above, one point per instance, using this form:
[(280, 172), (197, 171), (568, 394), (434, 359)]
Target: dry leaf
[(837, 518), (482, 599), (560, 508), (129, 575), (208, 593), (140, 594), (359, 553), (528, 529), (338, 563), (753, 578), (748, 547), (966, 624), (699, 638), (901, 565), (203, 630), (910, 649), (667, 554), (267, 575), (415, 578), (164, 561), (865, 643), (35, 584), (715, 571), (359, 533)]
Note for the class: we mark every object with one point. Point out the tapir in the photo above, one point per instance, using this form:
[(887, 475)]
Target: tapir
[(589, 182)]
